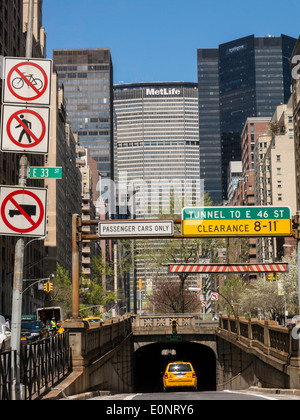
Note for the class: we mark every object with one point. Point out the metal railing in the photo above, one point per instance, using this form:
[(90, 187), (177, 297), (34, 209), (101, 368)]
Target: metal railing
[(266, 336), (6, 380), (43, 364)]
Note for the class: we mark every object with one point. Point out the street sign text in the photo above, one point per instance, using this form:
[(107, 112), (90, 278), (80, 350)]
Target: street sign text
[(236, 221), (132, 229)]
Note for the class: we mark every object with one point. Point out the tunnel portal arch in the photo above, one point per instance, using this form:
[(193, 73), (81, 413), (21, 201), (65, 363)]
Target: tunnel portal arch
[(149, 363)]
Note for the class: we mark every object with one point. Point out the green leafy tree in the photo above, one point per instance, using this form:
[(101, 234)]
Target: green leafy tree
[(93, 294), (290, 283), (62, 291), (232, 289), (175, 251), (262, 297)]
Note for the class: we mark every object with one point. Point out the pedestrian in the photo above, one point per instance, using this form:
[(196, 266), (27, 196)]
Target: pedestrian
[(53, 325)]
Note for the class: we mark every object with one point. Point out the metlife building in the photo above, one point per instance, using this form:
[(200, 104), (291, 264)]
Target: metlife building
[(156, 157), (157, 144)]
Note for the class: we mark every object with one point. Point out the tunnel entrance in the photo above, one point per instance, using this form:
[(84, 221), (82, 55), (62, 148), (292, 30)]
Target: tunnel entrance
[(150, 362)]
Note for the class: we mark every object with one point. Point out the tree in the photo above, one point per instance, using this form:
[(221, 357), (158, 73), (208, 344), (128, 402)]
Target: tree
[(165, 298), (93, 293), (291, 283), (232, 289), (178, 251), (262, 297), (62, 291)]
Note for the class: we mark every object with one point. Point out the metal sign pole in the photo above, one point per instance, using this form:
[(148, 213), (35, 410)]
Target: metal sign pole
[(17, 296), (19, 254)]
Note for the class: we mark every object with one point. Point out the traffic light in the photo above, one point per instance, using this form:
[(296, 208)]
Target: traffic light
[(48, 287), (174, 326), (273, 276), (204, 290)]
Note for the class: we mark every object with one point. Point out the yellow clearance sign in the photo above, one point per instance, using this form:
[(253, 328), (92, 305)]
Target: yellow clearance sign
[(236, 221)]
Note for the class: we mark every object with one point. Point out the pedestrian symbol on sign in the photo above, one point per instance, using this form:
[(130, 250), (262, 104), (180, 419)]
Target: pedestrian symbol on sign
[(24, 132), (24, 128)]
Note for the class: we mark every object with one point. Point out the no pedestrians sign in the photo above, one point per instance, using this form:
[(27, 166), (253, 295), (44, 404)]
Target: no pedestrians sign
[(25, 129)]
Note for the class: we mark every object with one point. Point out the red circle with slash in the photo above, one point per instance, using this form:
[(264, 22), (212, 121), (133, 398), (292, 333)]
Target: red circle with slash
[(38, 93), (34, 225), (37, 139)]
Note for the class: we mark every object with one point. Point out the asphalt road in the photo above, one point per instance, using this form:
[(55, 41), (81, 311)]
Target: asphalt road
[(175, 397)]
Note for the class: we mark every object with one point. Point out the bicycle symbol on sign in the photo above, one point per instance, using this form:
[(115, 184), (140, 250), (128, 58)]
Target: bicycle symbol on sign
[(18, 82)]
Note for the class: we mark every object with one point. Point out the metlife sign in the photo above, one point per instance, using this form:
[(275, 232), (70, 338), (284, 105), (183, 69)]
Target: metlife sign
[(163, 92)]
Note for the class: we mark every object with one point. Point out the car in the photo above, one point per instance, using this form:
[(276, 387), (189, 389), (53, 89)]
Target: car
[(4, 336), (93, 321), (179, 375), (33, 330)]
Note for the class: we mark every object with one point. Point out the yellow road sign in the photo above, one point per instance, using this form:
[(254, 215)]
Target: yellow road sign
[(236, 221)]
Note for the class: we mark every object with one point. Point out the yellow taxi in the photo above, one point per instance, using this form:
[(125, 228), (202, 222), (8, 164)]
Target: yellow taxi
[(179, 374), (93, 321)]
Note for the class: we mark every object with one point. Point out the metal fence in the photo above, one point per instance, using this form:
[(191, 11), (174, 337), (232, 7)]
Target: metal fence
[(6, 360), (43, 364)]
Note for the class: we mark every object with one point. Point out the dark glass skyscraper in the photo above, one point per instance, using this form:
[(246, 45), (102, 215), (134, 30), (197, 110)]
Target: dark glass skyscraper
[(244, 78), (87, 76)]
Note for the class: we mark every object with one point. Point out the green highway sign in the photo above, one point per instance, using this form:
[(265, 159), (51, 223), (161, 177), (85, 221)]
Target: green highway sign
[(40, 172), (236, 221), (173, 338), (229, 213)]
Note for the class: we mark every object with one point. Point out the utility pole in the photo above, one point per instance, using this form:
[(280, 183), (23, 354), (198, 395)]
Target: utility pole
[(19, 253)]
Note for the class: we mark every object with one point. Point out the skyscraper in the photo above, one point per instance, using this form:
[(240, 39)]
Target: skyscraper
[(247, 77), (157, 140), (87, 75), (157, 157)]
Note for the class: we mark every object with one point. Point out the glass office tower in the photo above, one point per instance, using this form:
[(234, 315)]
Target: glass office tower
[(247, 77), (87, 76), (209, 122)]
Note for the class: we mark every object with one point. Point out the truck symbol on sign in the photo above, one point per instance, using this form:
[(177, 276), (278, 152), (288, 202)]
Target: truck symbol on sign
[(30, 210)]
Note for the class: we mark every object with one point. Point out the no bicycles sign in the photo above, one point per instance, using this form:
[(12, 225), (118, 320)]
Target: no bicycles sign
[(27, 81)]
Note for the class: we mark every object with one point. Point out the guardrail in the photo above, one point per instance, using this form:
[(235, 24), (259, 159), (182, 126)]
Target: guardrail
[(186, 323), (6, 380), (265, 336), (97, 340), (43, 363)]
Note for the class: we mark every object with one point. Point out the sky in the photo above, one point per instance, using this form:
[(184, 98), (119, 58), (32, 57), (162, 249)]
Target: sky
[(157, 40)]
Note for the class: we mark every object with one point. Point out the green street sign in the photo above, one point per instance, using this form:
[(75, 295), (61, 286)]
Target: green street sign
[(236, 221), (236, 213), (40, 172), (173, 338)]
